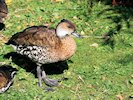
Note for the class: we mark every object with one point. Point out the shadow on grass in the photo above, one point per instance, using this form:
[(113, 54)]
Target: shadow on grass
[(126, 59), (119, 16), (91, 3), (30, 66), (2, 26)]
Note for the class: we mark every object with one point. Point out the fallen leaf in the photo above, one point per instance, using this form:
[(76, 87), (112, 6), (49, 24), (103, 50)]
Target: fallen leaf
[(132, 75), (40, 19), (16, 15), (75, 17), (94, 45), (3, 39), (18, 27), (82, 32), (31, 23), (68, 73), (90, 86), (58, 0), (56, 15), (2, 63), (8, 2), (104, 78), (120, 97), (47, 24)]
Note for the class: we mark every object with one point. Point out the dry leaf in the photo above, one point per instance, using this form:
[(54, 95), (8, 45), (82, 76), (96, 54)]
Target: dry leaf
[(31, 23), (3, 39), (56, 15), (94, 45), (82, 32), (103, 78), (68, 73), (75, 17), (2, 63), (47, 24), (40, 19), (132, 75), (58, 0), (120, 97), (90, 86), (8, 2), (16, 15), (18, 27)]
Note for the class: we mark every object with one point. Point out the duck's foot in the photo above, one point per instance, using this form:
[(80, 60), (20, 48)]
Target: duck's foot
[(48, 81), (49, 89), (51, 82)]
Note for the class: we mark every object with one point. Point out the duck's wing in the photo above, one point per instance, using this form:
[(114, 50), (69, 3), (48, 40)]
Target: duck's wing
[(3, 9), (35, 35)]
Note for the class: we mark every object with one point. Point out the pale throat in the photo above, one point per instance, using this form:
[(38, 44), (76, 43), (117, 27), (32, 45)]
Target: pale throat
[(61, 33)]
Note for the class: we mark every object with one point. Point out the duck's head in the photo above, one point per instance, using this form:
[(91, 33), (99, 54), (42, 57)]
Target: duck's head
[(66, 28)]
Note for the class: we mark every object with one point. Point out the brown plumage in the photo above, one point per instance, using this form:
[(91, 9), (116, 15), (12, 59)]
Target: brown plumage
[(3, 9), (6, 77), (44, 45), (3, 80), (3, 13), (36, 35), (128, 3)]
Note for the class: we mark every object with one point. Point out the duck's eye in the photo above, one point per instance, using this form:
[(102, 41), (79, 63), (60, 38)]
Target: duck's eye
[(69, 26)]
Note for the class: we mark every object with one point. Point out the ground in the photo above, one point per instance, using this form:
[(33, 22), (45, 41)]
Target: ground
[(101, 69)]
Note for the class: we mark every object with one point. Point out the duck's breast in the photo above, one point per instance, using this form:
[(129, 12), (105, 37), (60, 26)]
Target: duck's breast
[(67, 49)]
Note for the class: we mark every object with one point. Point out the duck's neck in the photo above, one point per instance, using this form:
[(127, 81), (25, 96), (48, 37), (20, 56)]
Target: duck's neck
[(68, 48)]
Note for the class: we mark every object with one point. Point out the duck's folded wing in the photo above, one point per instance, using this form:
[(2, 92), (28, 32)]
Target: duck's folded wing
[(35, 35)]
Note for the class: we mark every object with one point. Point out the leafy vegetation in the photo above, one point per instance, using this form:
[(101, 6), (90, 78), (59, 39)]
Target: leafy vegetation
[(101, 69)]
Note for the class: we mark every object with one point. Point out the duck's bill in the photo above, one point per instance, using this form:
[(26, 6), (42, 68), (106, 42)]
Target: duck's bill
[(76, 34)]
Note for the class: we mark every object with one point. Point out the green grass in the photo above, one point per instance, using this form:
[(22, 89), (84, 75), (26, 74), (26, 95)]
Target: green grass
[(95, 73)]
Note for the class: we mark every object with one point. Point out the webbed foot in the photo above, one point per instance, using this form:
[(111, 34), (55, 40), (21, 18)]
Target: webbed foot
[(48, 81)]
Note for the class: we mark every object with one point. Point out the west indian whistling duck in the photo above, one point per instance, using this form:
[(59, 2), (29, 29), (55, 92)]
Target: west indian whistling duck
[(44, 45)]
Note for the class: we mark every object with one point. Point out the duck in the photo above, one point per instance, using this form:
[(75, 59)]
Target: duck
[(7, 74), (44, 45), (3, 13)]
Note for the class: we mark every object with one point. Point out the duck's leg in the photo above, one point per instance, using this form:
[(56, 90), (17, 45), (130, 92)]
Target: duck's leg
[(48, 81), (39, 75)]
